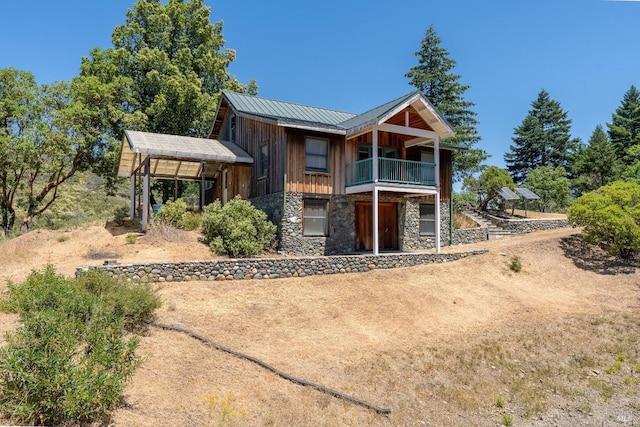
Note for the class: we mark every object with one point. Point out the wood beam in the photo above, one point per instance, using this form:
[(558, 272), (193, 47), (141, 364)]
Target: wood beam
[(404, 130)]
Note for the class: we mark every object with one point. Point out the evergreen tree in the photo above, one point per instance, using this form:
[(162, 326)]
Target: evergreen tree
[(433, 77), (597, 164), (543, 139), (624, 129)]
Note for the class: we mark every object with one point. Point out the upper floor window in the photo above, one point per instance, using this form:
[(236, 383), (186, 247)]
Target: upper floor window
[(263, 160), (316, 157), (365, 152), (232, 128)]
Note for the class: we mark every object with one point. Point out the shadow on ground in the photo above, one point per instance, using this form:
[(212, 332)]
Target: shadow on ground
[(593, 258)]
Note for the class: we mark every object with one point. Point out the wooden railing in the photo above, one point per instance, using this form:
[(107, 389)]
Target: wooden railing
[(392, 170)]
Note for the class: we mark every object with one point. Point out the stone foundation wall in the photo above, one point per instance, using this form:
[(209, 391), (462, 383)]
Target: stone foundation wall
[(288, 218), (269, 268)]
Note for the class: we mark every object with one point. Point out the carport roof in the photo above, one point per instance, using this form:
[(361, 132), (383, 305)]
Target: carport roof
[(174, 156)]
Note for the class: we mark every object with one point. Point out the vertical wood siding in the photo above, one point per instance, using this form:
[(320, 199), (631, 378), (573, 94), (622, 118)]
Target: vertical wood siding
[(300, 181), (250, 135)]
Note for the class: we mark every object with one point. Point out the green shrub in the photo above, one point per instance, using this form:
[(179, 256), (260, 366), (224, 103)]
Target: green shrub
[(131, 238), (238, 228), (69, 361), (515, 263), (120, 214), (610, 217), (172, 213), (191, 221)]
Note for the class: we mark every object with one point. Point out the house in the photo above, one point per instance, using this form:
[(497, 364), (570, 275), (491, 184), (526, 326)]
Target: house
[(333, 182)]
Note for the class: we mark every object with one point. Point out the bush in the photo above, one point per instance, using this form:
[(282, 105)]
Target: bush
[(191, 221), (611, 217), (172, 213), (238, 228), (120, 214), (69, 361)]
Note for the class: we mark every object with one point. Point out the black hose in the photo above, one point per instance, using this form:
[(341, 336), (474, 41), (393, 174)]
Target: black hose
[(281, 374)]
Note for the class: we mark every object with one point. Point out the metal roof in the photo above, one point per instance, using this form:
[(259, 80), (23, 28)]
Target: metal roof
[(176, 156), (292, 114), (286, 111)]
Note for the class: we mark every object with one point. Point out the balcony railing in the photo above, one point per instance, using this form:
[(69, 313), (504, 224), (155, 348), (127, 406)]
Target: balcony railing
[(392, 170)]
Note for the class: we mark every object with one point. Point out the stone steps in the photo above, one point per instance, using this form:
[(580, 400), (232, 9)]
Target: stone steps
[(493, 231)]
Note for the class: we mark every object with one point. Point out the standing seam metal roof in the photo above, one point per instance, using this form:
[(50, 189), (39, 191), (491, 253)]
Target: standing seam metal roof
[(270, 108), (340, 120)]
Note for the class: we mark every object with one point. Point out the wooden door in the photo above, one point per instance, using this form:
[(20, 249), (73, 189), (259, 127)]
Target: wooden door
[(387, 226)]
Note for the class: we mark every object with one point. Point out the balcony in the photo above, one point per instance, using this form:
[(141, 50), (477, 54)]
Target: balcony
[(396, 171)]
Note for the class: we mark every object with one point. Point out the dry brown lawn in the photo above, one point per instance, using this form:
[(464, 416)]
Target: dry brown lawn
[(457, 344)]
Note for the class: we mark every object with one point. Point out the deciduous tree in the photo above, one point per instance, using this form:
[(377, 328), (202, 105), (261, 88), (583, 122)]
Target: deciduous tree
[(551, 185), (486, 186)]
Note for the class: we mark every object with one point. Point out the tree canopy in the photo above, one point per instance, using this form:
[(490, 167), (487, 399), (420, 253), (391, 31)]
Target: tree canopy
[(542, 139), (596, 164), (166, 71), (551, 185), (486, 186), (624, 129), (433, 77), (610, 217), (47, 134)]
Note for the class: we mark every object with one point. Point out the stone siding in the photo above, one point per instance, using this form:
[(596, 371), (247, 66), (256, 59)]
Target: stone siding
[(270, 268)]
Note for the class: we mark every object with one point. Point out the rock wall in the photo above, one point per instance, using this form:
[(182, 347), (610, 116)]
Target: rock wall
[(270, 268)]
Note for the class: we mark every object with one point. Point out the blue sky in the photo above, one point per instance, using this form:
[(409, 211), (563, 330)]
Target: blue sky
[(352, 55)]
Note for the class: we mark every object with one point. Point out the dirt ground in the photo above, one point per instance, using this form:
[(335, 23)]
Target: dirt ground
[(464, 343)]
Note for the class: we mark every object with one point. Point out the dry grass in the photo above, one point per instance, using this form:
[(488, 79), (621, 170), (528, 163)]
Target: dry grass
[(557, 342)]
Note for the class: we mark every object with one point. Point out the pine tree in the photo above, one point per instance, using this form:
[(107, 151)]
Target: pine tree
[(435, 79), (624, 129), (543, 139), (597, 164)]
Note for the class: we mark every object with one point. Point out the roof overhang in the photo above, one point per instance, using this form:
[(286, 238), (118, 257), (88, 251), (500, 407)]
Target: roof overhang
[(173, 156), (422, 106)]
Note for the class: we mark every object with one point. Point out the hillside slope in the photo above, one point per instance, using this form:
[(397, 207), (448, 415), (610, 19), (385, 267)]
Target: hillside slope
[(463, 343)]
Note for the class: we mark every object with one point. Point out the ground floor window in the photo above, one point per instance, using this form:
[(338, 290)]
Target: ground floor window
[(315, 221), (427, 219)]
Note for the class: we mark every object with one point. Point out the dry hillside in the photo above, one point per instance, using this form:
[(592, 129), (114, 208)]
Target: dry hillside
[(463, 343)]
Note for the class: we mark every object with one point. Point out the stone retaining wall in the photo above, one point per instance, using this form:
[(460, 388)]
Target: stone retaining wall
[(466, 236), (271, 268), (529, 225)]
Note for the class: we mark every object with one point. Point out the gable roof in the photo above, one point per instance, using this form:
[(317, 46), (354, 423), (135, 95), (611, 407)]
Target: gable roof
[(290, 114)]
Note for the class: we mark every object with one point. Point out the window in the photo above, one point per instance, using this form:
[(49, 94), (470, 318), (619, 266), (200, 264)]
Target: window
[(232, 128), (427, 219), (316, 157), (364, 152), (314, 221), (263, 160)]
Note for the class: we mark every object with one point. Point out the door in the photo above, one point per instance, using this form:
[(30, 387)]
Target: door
[(387, 226)]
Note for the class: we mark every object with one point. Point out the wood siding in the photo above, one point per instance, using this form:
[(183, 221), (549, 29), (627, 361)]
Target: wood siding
[(301, 181), (250, 135)]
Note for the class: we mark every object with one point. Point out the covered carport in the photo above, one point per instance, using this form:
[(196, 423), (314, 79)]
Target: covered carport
[(147, 155)]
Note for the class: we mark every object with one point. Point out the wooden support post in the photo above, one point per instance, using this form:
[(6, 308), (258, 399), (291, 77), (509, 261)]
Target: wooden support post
[(202, 186), (132, 196), (145, 194)]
